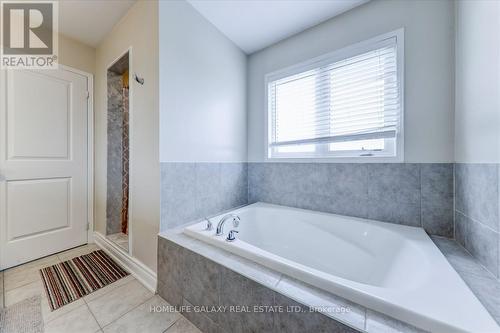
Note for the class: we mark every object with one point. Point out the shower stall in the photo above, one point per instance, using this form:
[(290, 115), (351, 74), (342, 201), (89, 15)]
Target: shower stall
[(117, 203)]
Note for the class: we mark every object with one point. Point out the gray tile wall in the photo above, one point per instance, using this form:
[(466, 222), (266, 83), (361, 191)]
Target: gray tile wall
[(477, 221), (193, 190), (114, 165), (482, 283), (410, 194)]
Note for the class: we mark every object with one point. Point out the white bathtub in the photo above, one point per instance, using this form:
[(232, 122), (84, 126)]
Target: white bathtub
[(393, 269)]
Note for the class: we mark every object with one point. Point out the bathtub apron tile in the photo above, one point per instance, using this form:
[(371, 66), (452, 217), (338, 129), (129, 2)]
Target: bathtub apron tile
[(200, 320), (202, 285), (305, 321), (170, 292), (238, 290), (171, 263)]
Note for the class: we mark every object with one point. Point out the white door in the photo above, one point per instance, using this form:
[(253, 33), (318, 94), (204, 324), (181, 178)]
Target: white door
[(43, 163)]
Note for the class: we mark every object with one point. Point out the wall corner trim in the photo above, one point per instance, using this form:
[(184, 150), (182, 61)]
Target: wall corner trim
[(140, 271)]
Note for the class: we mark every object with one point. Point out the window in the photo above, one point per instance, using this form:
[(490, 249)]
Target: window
[(345, 104)]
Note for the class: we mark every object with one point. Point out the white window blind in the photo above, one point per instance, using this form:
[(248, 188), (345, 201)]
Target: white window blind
[(356, 98)]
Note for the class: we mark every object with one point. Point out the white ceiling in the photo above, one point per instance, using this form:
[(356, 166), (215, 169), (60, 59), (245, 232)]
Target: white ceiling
[(256, 24), (89, 21)]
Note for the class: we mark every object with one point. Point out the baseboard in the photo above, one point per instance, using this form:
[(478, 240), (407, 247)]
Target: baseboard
[(140, 271)]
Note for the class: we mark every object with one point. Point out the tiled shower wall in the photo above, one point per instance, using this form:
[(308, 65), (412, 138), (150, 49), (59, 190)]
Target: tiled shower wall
[(477, 211), (114, 166), (405, 193), (410, 194)]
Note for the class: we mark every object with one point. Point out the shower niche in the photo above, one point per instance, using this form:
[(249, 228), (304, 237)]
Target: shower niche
[(117, 196)]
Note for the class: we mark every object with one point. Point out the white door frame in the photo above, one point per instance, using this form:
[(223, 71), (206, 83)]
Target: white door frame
[(90, 149)]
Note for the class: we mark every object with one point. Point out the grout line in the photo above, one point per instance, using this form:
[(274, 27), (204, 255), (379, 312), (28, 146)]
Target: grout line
[(474, 258), (130, 310), (20, 286), (174, 322), (478, 222), (93, 316), (63, 314), (279, 280), (110, 290)]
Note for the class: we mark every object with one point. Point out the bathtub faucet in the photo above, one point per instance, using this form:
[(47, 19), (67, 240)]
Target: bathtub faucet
[(220, 226)]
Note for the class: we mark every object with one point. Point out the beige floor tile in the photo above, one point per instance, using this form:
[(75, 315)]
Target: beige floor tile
[(35, 264), (77, 251), (80, 320), (49, 315), (119, 301), (142, 319), (27, 273), (99, 292), (119, 239), (16, 295), (183, 326)]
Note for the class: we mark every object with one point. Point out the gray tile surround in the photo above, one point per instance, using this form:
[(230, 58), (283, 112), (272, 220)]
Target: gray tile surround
[(190, 191), (239, 281), (483, 284), (477, 209), (406, 193), (460, 201)]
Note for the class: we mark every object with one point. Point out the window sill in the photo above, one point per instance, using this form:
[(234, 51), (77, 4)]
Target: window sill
[(354, 159)]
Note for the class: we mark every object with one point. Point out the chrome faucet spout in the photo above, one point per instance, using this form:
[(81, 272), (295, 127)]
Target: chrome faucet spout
[(220, 225)]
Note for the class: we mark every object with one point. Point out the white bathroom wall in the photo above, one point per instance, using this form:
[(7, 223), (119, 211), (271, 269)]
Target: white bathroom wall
[(477, 118), (202, 89), (203, 119), (477, 131), (76, 54), (429, 70), (137, 30)]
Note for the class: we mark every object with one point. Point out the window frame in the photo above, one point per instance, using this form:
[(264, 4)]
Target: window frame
[(346, 52)]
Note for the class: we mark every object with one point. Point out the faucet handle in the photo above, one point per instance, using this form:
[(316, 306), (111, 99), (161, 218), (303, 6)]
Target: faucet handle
[(209, 224), (231, 237)]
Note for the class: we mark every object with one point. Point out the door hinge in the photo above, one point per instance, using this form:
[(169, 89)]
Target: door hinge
[(88, 226), (88, 94)]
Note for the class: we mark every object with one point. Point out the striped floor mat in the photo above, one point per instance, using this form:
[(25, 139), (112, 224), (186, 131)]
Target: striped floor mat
[(70, 280)]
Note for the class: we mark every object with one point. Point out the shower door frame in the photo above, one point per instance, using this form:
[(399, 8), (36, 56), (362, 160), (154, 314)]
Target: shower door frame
[(130, 126)]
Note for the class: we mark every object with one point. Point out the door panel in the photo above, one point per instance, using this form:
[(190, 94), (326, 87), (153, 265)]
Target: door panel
[(43, 163), (39, 195), (47, 125)]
